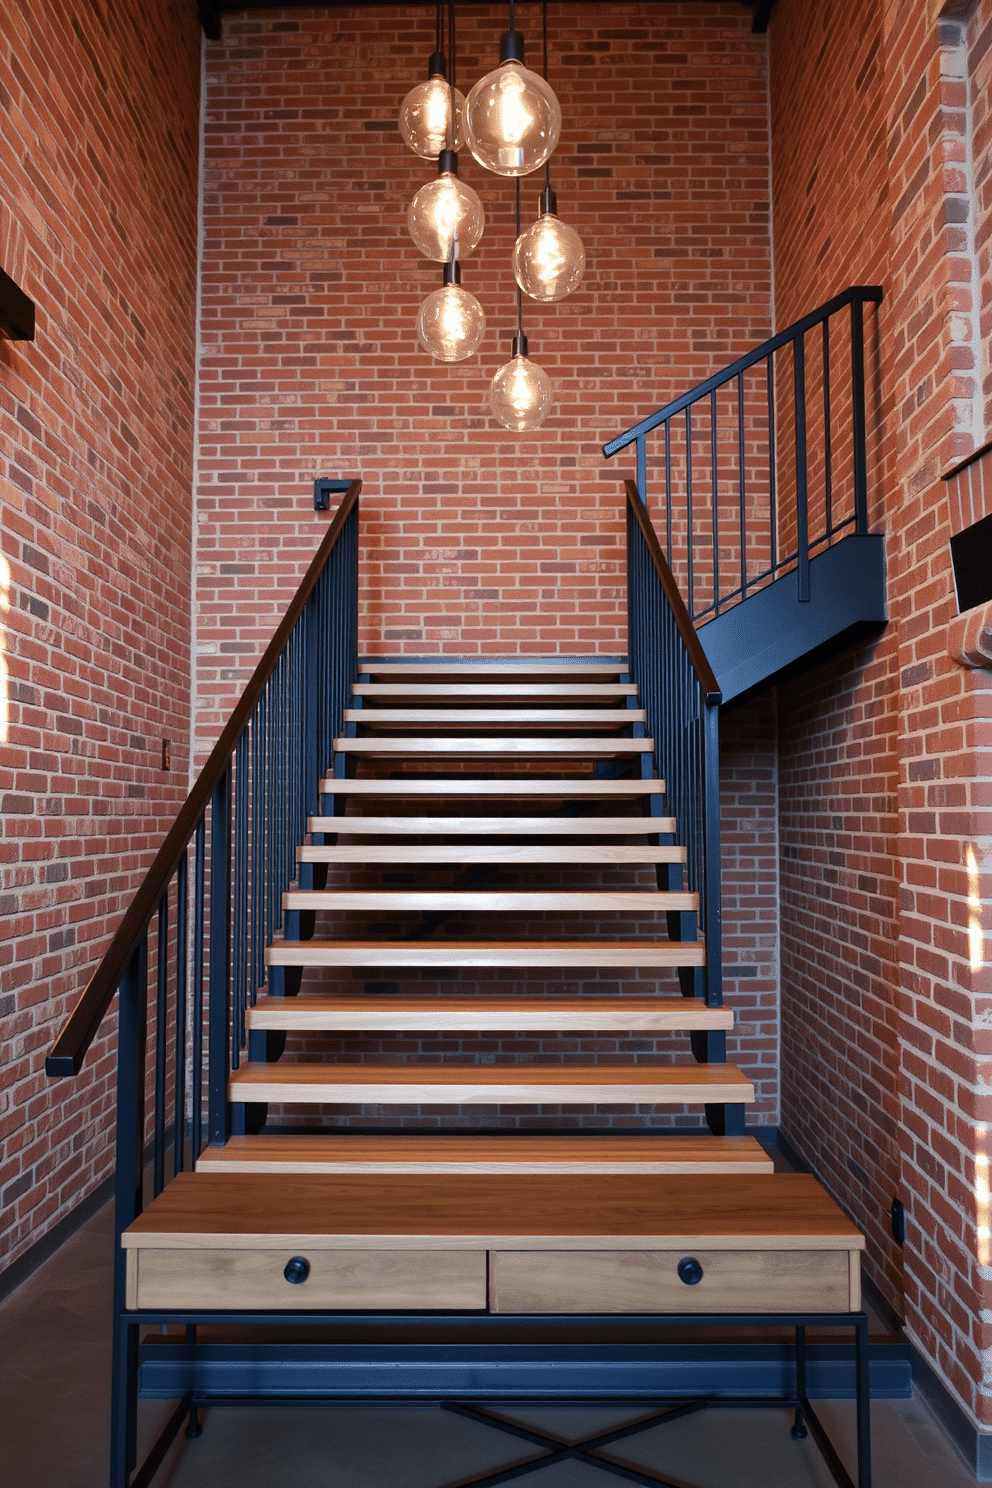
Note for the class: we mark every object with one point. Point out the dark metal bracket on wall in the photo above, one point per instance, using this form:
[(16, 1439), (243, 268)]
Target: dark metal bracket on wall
[(323, 490), (16, 311)]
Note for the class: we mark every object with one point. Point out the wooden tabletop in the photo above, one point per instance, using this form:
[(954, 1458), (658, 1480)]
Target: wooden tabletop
[(246, 1211)]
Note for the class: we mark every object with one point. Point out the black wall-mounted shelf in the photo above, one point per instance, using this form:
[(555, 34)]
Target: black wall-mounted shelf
[(16, 311)]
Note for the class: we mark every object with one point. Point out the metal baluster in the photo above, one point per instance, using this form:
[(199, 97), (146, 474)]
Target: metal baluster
[(741, 481), (668, 490), (802, 513), (218, 1052), (827, 462), (716, 516), (240, 954), (182, 949), (257, 877), (161, 1042), (860, 449), (642, 470), (197, 1070), (688, 503), (772, 506)]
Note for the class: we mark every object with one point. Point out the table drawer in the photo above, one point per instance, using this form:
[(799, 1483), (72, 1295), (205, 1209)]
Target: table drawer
[(605, 1281), (372, 1280)]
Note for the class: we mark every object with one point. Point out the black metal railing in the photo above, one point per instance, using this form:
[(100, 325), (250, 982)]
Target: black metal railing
[(681, 699), (773, 468), (196, 932)]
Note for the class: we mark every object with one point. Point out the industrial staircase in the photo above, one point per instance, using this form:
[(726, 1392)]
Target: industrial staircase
[(518, 854), (538, 779)]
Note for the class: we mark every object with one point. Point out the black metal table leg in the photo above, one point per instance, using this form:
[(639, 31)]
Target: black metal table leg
[(799, 1430)]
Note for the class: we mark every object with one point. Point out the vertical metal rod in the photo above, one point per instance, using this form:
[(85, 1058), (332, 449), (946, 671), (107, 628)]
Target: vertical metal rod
[(688, 503), (220, 961), (161, 1042), (716, 511), (827, 459), (239, 960), (772, 503), (858, 415), (182, 932), (863, 1380), (668, 490), (802, 494), (642, 469), (132, 1035), (742, 489), (198, 925)]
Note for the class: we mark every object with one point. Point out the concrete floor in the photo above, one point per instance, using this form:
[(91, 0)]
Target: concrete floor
[(54, 1421)]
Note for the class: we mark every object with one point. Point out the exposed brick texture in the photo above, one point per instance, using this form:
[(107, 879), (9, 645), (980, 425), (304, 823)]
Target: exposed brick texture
[(99, 124), (474, 539), (884, 762)]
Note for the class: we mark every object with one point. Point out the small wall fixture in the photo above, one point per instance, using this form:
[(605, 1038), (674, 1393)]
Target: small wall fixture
[(16, 311)]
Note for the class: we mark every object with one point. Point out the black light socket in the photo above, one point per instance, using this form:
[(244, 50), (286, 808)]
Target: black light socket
[(511, 48), (549, 202), (447, 160), (453, 273), (437, 66), (518, 346)]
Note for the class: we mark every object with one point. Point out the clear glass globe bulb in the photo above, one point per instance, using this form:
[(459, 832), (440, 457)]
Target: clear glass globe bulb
[(521, 394), (446, 219), (549, 259), (512, 120), (451, 324), (424, 118)]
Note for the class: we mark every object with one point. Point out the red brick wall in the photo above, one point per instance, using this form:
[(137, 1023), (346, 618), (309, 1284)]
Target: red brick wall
[(882, 798), (99, 121), (474, 539)]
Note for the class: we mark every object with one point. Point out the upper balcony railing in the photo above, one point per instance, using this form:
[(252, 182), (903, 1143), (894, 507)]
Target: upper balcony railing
[(770, 468)]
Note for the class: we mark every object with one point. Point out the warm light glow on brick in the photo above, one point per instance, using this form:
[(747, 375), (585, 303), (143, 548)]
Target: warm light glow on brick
[(976, 939), (982, 1194)]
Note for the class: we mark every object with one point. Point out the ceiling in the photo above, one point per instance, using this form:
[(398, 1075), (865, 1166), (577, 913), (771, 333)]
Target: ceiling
[(211, 11)]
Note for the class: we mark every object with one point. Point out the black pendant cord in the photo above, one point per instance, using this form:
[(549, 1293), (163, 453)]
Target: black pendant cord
[(451, 73), (438, 31), (520, 296), (547, 163)]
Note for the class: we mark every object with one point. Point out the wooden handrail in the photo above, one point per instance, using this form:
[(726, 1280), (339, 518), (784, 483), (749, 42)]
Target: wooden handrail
[(79, 1030), (697, 656)]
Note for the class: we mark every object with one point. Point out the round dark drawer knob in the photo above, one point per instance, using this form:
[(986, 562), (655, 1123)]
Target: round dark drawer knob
[(690, 1271), (297, 1270)]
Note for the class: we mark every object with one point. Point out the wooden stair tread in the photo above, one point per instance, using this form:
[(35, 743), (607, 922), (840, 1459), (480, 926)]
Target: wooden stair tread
[(498, 745), (506, 826), (494, 690), (783, 1211), (644, 901), (308, 1011), (601, 954), (489, 1084), (318, 1152), (496, 852), (466, 667), (486, 717), (564, 787)]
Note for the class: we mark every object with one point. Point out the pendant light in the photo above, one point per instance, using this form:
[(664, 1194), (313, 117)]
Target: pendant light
[(451, 323), (446, 219), (521, 393), (512, 118), (548, 258), (425, 110)]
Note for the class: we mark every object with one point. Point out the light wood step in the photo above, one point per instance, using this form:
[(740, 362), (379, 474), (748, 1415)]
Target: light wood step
[(565, 788), (479, 669), (502, 901), (596, 954), (598, 690), (495, 826), (494, 717), (497, 745), (499, 852), (327, 1014), (317, 1152), (527, 1085)]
